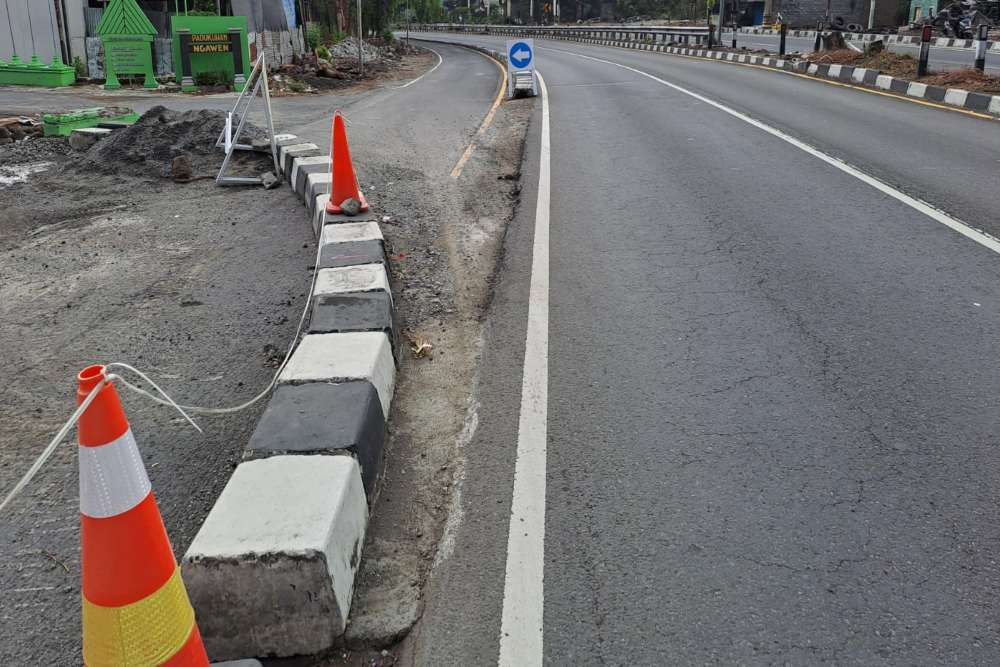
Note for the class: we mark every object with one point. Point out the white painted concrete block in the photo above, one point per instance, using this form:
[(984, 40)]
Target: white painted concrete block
[(339, 357), (348, 279), (916, 89), (859, 74), (317, 184), (93, 131), (779, 63), (883, 81), (271, 572), (352, 231), (303, 161), (286, 138), (956, 97), (319, 213), (995, 104), (834, 71), (295, 147)]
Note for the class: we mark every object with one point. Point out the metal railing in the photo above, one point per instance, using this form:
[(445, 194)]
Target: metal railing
[(635, 34)]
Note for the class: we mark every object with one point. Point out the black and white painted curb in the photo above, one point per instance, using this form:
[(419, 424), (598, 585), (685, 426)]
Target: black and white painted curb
[(971, 101), (271, 572), (940, 42)]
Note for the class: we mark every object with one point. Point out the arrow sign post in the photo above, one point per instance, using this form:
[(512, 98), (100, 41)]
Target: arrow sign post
[(520, 65)]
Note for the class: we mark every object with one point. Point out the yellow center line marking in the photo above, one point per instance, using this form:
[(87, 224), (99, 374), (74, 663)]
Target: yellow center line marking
[(457, 171)]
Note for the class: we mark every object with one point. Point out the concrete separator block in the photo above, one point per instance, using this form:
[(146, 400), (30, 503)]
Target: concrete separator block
[(352, 231), (318, 213), (271, 572), (883, 81), (300, 179), (339, 357), (323, 418), (298, 163), (83, 138), (347, 279), (351, 253), (285, 140), (364, 311), (916, 89), (287, 154), (317, 184), (956, 96), (995, 105), (834, 71)]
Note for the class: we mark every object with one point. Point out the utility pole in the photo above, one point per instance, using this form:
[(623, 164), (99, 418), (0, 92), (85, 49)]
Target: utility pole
[(361, 55), (871, 15)]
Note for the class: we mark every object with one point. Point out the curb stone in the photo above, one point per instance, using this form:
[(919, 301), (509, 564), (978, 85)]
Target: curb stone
[(271, 571)]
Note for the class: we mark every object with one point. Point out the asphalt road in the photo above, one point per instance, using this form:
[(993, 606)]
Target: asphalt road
[(771, 414), (941, 57)]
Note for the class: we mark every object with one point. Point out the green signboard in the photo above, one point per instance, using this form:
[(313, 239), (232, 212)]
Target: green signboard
[(210, 44), (127, 36)]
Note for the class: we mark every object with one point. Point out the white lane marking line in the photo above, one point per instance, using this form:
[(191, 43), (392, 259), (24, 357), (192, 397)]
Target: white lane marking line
[(430, 71), (523, 590), (936, 214)]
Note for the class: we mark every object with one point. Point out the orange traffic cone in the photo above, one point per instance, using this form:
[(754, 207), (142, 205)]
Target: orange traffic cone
[(135, 607), (343, 181)]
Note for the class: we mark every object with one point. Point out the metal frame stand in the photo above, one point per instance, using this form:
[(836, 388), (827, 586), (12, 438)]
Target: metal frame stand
[(229, 141)]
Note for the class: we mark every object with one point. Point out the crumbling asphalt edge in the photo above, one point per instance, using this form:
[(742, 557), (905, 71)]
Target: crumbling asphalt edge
[(271, 571)]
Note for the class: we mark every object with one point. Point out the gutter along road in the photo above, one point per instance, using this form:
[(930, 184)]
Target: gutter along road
[(771, 423)]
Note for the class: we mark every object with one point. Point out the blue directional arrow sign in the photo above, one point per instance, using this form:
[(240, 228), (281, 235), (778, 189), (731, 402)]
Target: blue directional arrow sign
[(520, 54)]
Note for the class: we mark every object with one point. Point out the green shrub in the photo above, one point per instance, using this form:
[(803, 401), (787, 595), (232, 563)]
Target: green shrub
[(314, 35), (80, 67), (323, 52)]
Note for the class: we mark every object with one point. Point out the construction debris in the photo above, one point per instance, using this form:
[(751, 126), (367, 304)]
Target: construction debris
[(18, 128), (960, 19)]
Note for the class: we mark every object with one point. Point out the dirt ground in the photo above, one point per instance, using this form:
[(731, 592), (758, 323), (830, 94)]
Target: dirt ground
[(905, 67), (102, 259)]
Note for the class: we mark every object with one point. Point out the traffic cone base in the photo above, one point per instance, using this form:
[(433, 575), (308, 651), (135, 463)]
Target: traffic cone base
[(343, 180), (136, 610), (333, 209)]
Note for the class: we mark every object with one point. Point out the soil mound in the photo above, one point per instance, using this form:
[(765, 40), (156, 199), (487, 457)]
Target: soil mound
[(149, 146)]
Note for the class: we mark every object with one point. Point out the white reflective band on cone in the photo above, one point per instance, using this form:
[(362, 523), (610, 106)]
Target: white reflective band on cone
[(112, 478)]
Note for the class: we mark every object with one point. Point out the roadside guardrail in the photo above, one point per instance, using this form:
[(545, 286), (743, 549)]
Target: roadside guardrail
[(641, 34)]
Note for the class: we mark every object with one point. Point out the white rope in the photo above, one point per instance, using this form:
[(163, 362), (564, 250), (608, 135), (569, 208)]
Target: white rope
[(166, 400)]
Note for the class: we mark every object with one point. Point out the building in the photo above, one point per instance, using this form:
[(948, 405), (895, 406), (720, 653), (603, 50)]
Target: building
[(841, 13), (67, 28)]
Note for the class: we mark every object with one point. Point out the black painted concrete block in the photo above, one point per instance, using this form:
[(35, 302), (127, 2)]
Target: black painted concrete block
[(323, 418), (899, 85), (846, 73), (871, 76), (302, 176), (978, 101), (350, 253), (935, 93)]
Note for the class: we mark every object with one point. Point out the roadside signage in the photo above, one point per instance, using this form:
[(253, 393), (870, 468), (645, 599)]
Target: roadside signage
[(520, 53), (521, 67)]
